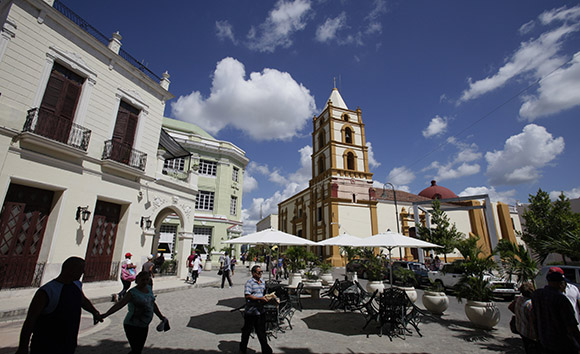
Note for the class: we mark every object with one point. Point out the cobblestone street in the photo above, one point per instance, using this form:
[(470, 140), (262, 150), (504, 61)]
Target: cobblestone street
[(202, 322)]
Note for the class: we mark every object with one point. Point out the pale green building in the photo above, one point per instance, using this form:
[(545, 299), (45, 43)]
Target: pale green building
[(220, 167)]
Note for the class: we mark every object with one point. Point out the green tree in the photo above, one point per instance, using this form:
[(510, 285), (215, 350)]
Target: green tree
[(474, 284), (443, 233), (516, 261), (551, 227)]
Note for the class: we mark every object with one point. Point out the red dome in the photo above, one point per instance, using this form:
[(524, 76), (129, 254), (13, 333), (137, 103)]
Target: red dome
[(437, 192)]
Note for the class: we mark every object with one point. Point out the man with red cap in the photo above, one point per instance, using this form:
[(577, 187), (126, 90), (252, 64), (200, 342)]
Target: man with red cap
[(128, 274), (557, 327)]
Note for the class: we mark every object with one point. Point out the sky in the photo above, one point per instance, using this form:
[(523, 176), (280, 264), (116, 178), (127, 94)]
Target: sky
[(482, 96)]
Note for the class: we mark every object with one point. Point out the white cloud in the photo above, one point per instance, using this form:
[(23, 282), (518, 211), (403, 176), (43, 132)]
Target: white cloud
[(296, 182), (536, 57), (327, 31), (437, 126), (250, 183), (506, 197), (372, 162), (257, 106), (523, 156), (556, 93), (462, 163), (401, 176), (283, 21), (465, 169), (527, 27), (224, 30), (574, 193)]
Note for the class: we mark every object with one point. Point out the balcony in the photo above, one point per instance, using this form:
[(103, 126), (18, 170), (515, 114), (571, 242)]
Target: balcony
[(44, 130), (124, 156)]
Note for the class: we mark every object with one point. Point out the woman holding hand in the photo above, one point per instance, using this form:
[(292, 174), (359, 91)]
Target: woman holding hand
[(142, 306)]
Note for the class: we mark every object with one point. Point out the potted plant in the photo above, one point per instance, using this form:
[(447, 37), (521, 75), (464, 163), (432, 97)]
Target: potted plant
[(209, 250), (474, 285), (375, 272), (311, 275), (434, 298), (325, 273), (351, 253), (406, 278), (295, 256)]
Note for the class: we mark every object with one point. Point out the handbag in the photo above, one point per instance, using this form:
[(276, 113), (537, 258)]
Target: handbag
[(513, 327), (127, 274), (220, 272), (163, 326)]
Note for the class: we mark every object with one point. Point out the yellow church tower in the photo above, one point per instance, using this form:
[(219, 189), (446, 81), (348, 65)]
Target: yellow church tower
[(341, 186)]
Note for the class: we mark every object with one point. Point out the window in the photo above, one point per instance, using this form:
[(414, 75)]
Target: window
[(321, 164), (348, 135), (321, 140), (126, 124), (235, 174), (59, 103), (345, 117), (204, 200), (177, 164), (319, 213), (203, 231), (208, 168), (350, 161), (233, 205)]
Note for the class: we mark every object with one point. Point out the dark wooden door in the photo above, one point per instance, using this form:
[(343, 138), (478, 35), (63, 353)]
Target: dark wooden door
[(22, 225), (59, 104), (124, 132), (99, 255)]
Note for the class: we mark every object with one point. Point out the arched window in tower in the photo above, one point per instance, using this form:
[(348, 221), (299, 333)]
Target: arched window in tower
[(321, 140), (345, 117), (348, 135), (350, 161), (321, 166)]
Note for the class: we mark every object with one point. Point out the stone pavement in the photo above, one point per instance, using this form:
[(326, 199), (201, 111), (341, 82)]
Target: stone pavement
[(202, 321)]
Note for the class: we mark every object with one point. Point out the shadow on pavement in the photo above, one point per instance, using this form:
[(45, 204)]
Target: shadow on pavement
[(218, 322), (508, 346), (233, 302), (348, 324)]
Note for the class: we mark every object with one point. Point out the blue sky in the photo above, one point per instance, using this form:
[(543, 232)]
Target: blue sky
[(483, 96)]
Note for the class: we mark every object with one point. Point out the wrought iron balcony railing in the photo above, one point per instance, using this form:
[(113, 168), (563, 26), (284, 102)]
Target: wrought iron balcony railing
[(48, 125), (124, 154), (178, 174)]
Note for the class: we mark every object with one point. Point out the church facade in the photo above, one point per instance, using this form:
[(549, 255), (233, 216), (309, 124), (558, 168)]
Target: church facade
[(341, 197)]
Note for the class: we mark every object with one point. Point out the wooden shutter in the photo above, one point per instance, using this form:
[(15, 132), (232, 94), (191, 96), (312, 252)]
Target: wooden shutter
[(55, 86), (126, 124)]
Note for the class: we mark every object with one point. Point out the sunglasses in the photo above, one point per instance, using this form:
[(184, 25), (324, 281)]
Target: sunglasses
[(259, 272)]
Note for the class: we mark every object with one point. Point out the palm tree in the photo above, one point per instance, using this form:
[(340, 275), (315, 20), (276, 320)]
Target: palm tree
[(516, 260)]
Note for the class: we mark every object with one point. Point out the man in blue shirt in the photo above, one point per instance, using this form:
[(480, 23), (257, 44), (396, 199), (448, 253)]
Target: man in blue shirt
[(254, 316)]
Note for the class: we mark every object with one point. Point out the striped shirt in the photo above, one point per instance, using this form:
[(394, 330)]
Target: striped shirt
[(254, 288), (525, 319)]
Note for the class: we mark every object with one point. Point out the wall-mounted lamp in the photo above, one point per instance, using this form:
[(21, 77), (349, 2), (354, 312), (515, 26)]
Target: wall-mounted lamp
[(146, 221), (83, 213)]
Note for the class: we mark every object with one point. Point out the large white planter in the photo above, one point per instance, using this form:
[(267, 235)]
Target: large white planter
[(294, 279), (207, 265), (326, 278), (482, 314), (435, 302), (375, 285), (411, 292), (312, 282)]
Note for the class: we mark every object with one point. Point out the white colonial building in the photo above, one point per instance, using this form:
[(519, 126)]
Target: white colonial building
[(81, 171)]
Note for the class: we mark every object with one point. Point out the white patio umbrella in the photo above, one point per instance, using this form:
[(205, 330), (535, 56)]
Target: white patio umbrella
[(271, 237), (341, 240), (390, 240)]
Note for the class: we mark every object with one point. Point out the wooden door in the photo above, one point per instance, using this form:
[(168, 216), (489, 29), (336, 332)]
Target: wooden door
[(101, 246), (124, 133), (22, 225)]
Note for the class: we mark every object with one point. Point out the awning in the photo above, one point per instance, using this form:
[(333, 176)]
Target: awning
[(173, 149)]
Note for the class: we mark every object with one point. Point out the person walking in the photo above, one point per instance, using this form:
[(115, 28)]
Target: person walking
[(254, 315), (128, 274), (195, 269), (525, 318), (54, 314), (226, 269), (190, 260), (557, 328), (142, 306), (233, 264)]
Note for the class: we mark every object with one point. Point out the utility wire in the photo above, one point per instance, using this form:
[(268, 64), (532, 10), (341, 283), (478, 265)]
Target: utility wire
[(489, 113)]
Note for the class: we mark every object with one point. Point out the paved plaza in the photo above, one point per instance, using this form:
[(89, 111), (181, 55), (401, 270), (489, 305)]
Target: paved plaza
[(202, 321)]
